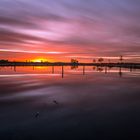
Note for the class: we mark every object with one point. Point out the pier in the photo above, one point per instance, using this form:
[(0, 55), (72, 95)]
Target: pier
[(122, 65)]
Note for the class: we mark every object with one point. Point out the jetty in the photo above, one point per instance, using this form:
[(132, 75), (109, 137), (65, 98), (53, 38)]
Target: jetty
[(122, 65)]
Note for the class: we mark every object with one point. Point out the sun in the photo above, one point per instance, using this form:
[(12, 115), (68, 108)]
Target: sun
[(39, 60)]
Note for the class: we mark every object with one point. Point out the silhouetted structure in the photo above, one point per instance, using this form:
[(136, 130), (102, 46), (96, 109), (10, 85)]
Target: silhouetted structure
[(74, 61), (62, 71), (120, 72), (84, 70), (100, 60), (52, 69), (105, 70)]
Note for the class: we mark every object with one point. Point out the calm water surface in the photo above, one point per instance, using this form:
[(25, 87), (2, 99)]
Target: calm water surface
[(69, 103)]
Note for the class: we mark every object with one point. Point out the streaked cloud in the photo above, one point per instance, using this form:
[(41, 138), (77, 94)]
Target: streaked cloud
[(94, 27)]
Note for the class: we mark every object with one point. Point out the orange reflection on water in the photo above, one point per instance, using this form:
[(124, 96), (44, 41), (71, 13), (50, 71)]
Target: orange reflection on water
[(61, 70)]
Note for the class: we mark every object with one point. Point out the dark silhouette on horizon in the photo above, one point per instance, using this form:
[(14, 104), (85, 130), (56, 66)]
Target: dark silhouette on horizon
[(74, 63)]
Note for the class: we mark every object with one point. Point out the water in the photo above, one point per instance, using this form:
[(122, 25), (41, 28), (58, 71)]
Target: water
[(71, 103)]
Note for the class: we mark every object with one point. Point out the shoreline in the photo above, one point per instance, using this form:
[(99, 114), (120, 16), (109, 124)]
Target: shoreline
[(123, 65)]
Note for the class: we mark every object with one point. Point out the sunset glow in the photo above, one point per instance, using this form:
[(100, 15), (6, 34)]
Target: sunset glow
[(39, 60), (98, 28)]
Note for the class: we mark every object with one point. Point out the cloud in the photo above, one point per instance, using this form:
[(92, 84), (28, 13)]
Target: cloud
[(106, 27), (12, 36), (24, 51)]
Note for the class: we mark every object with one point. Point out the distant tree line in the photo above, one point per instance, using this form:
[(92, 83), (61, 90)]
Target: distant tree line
[(100, 60), (75, 61), (3, 61)]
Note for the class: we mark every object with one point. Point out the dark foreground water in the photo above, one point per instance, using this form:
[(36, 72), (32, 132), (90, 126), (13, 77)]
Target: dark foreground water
[(45, 103)]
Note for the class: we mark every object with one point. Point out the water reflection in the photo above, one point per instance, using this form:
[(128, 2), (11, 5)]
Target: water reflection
[(36, 70), (82, 100)]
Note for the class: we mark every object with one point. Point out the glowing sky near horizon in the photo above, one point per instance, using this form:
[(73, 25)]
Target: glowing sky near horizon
[(63, 29)]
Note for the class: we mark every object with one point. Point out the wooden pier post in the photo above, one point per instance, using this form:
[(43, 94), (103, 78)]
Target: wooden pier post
[(84, 70), (62, 71), (15, 68), (52, 69), (105, 69), (120, 71)]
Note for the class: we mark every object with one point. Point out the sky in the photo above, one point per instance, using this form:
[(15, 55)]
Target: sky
[(58, 30)]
